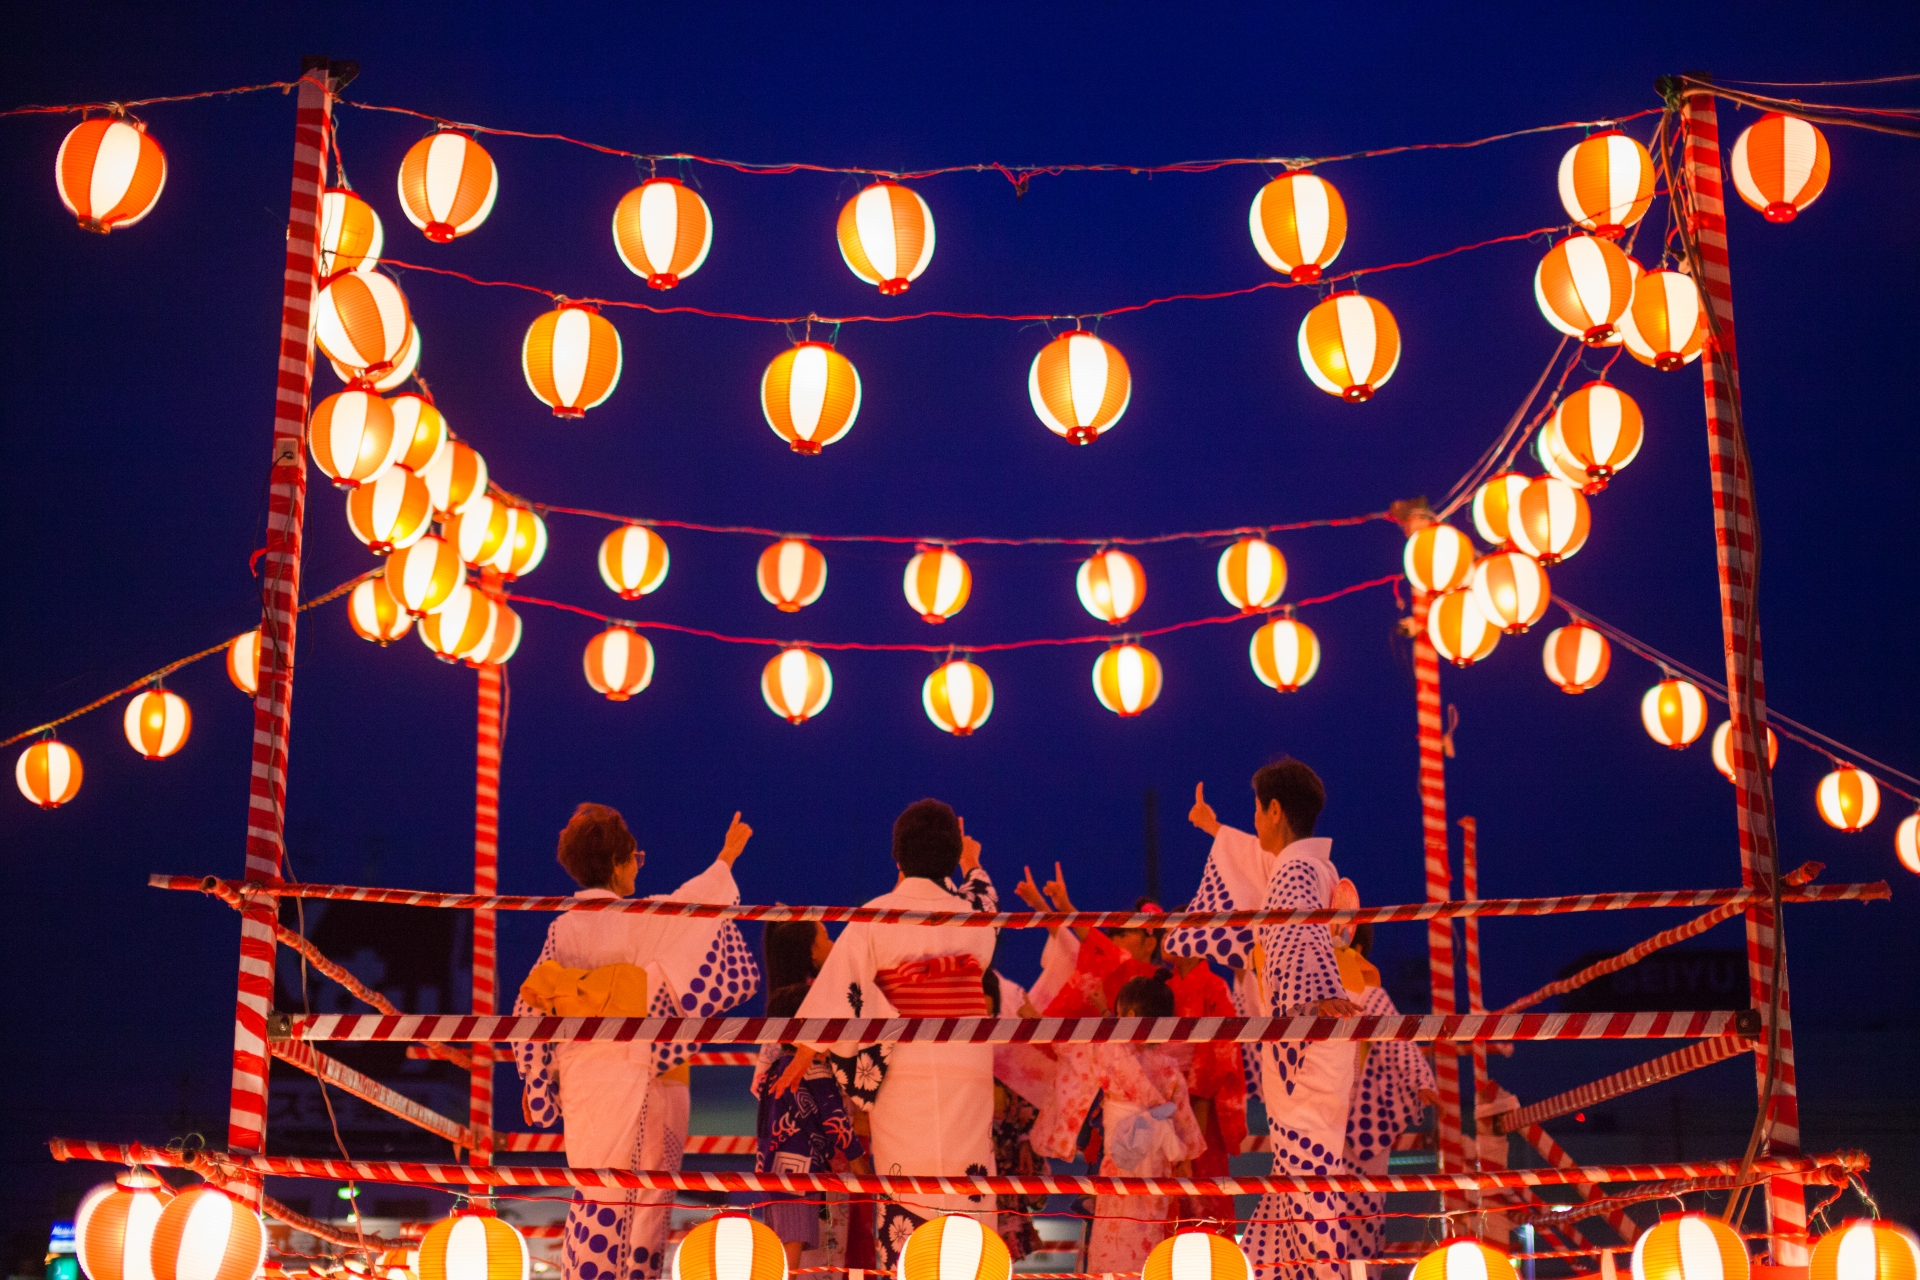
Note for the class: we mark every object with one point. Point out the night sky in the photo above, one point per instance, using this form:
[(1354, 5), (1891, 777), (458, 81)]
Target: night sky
[(140, 374)]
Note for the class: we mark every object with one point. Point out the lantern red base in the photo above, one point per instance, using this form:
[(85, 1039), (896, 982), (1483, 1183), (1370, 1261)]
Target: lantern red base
[(893, 287), (1305, 273), (933, 617), (102, 228), (440, 232), (1082, 435), (1610, 231), (1778, 211), (615, 696), (1668, 361), (807, 447), (662, 280), (958, 733), (1598, 335), (787, 606), (568, 411), (796, 719), (1359, 393)]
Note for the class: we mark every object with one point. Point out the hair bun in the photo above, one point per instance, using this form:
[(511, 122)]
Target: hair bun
[(1163, 974)]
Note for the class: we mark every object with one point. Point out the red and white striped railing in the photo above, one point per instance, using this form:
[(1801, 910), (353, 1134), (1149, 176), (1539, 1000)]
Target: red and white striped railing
[(1665, 1067)]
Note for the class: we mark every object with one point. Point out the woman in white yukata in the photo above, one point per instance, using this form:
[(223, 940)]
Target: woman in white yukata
[(625, 1105)]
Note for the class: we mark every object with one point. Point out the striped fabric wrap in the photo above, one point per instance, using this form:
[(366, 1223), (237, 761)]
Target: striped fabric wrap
[(940, 987)]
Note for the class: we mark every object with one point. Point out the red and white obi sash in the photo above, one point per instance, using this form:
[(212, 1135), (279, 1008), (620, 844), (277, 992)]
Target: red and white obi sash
[(941, 987)]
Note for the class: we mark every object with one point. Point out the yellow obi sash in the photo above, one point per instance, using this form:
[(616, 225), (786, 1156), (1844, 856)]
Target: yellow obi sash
[(1356, 974), (611, 991)]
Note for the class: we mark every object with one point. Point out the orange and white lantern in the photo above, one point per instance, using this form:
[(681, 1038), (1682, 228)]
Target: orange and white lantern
[(48, 773), (448, 184), (937, 584), (791, 574), (243, 661), (1674, 712), (796, 683), (1079, 386), (1779, 165), (1584, 285), (1865, 1249), (731, 1246), (395, 1264), (1285, 654), (157, 723), (886, 236), (1252, 574), (1551, 521), (374, 614), (1600, 427), (1438, 558), (1557, 462), (480, 530), (419, 578), (662, 230), (1111, 585), (502, 639), (1606, 183), (109, 173), (206, 1234), (1299, 225), (461, 627), (1690, 1246), (572, 359), (1666, 326), (954, 1248), (1464, 1260), (421, 428), (1511, 589), (351, 237), (1350, 346), (1493, 504), (1126, 679), (456, 476), (113, 1228), (1721, 749), (1906, 842), (393, 511), (1197, 1255), (362, 323), (354, 438), (1848, 799), (618, 663), (1576, 657), (958, 697), (810, 396), (473, 1244), (387, 380), (633, 561), (1457, 628), (525, 545)]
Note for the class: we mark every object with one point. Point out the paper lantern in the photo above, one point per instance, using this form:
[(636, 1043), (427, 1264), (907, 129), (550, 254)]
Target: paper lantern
[(1079, 386), (792, 573), (421, 429), (1464, 1260), (1848, 799), (1666, 326), (456, 476), (1126, 679), (1779, 165), (392, 511), (157, 723), (354, 438), (954, 1248), (243, 661), (958, 697), (1599, 427), (1299, 224), (662, 230), (937, 584), (480, 530), (502, 639), (1284, 653), (730, 1246), (1197, 1255), (1252, 574), (886, 236), (810, 396), (206, 1234), (1690, 1246), (796, 684), (460, 627), (419, 578), (1722, 749), (1511, 589), (109, 173), (447, 185), (472, 1245), (1906, 842), (351, 236), (1674, 712), (396, 1264), (1350, 346), (1551, 520), (383, 382), (113, 1228), (619, 663), (1865, 1249), (1557, 462), (572, 359), (525, 545), (633, 561), (48, 773), (1606, 183), (1493, 504), (1576, 657), (1438, 558), (1111, 585), (361, 322), (1583, 287), (374, 614), (1457, 628)]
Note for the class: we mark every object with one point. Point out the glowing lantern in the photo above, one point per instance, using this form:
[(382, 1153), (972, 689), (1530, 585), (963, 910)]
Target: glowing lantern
[(461, 625), (662, 230), (113, 1228), (401, 370), (109, 173), (456, 476), (1511, 589), (1111, 584), (1493, 504), (1350, 346), (633, 561), (1299, 224), (1848, 799), (1457, 628), (1865, 1249), (619, 663), (480, 530), (351, 236), (1438, 558), (1690, 1246), (1576, 657), (886, 236), (1583, 286), (1557, 462), (48, 773), (1252, 574), (374, 614), (1606, 183), (1674, 712), (157, 723), (1600, 428), (1197, 1255), (1126, 679), (206, 1234), (1666, 326), (502, 640), (792, 573), (810, 395), (396, 1264), (472, 1245), (243, 661), (421, 429), (1284, 653), (958, 697), (525, 546), (1906, 842), (954, 1248), (572, 359), (937, 583), (731, 1246), (1464, 1260), (1079, 386), (393, 511), (419, 578), (1551, 521), (447, 185), (1779, 165), (1722, 749), (796, 684), (362, 323), (353, 438)]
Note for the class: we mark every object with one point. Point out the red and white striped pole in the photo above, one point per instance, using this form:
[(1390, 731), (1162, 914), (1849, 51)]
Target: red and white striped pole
[(1478, 1081), (1433, 826), (486, 881)]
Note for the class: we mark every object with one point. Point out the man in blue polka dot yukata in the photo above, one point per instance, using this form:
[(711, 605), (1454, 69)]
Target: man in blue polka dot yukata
[(1284, 971), (625, 1105)]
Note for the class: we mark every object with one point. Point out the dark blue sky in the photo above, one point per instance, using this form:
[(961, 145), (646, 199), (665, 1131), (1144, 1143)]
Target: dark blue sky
[(140, 377)]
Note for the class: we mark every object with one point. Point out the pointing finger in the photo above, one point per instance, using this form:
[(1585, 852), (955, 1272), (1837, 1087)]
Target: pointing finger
[(1199, 793)]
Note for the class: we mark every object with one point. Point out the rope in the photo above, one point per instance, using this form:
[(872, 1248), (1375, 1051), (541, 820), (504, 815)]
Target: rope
[(120, 108)]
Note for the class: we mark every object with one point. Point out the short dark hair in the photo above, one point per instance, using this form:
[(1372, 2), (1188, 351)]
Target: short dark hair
[(1363, 939), (784, 1002), (926, 840), (1297, 788), (594, 842), (788, 945), (1151, 997)]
